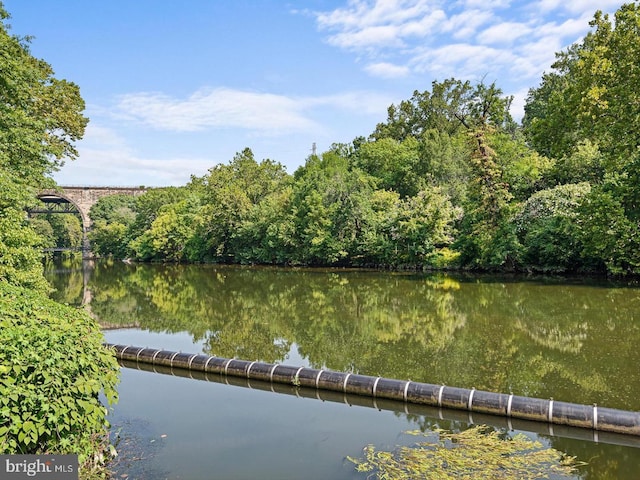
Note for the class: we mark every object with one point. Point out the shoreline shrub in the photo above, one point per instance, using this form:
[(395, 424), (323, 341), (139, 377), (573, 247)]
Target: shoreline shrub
[(53, 370)]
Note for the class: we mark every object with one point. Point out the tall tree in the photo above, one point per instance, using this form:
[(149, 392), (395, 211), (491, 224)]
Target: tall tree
[(40, 118), (593, 94), (586, 113), (40, 115), (228, 194)]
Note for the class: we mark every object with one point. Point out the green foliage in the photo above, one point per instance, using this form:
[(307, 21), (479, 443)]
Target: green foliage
[(451, 107), (169, 234), (148, 205), (44, 229), (40, 116), (584, 163), (52, 362), (523, 170), (115, 208), (266, 235), (449, 180), (52, 369), (58, 230), (445, 163), (396, 164), (609, 238), (479, 452), (67, 230), (109, 239), (330, 200), (423, 226), (547, 227), (592, 96), (20, 260), (113, 219), (228, 195)]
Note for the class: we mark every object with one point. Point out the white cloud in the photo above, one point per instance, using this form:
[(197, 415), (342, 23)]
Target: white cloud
[(503, 33), (105, 159), (512, 42), (464, 25), (216, 108), (262, 113), (386, 36), (102, 135), (362, 13), (360, 102), (368, 25), (577, 6), (464, 61), (387, 70), (486, 4), (109, 153), (517, 106)]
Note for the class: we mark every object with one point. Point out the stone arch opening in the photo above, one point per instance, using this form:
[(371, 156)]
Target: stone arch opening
[(58, 203)]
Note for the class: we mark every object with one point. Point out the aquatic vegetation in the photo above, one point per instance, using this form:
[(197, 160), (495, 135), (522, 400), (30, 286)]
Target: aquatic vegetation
[(479, 452)]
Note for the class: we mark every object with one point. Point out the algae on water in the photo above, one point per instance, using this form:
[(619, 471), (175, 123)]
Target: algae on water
[(479, 452)]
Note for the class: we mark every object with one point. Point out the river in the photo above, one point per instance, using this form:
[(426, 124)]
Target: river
[(572, 339)]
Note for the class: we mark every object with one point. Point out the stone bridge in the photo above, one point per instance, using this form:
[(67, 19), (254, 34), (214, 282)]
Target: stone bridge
[(82, 199)]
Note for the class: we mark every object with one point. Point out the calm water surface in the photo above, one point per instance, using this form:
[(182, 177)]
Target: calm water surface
[(574, 340)]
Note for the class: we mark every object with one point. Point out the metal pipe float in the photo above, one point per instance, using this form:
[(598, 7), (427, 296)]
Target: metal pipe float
[(441, 396), (435, 413)]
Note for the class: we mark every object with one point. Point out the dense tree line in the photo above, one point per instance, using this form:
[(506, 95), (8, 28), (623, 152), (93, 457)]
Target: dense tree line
[(448, 180)]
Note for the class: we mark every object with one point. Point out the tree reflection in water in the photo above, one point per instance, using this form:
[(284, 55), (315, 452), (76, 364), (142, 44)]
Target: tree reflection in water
[(575, 341)]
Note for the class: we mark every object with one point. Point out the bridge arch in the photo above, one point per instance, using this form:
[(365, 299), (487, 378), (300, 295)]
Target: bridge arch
[(83, 198), (51, 196)]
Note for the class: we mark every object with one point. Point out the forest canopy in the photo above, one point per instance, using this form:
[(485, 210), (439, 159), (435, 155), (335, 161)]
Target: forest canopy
[(448, 180)]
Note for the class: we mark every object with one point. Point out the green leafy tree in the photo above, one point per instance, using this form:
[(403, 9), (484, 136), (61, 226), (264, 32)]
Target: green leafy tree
[(267, 233), (113, 219), (147, 206), (377, 244), (524, 170), (547, 227), (44, 229), (114, 208), (424, 226), (487, 239), (444, 162), (610, 239), (67, 230), (429, 110), (20, 259), (585, 114), (170, 233), (110, 239), (40, 118), (592, 95), (228, 193), (40, 115), (395, 163), (584, 163), (331, 203), (53, 365)]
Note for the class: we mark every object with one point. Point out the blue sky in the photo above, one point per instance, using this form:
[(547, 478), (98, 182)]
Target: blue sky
[(174, 88)]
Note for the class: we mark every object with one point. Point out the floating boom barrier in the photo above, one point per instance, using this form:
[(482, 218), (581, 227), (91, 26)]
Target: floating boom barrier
[(552, 412)]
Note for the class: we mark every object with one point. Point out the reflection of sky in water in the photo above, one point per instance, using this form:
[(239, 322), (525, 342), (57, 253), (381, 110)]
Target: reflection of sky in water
[(179, 342)]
